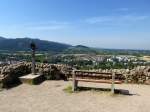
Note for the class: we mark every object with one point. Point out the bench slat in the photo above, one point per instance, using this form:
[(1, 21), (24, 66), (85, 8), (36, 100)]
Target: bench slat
[(98, 81)]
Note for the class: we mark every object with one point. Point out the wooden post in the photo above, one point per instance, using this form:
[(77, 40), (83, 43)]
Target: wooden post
[(33, 62), (113, 83), (74, 81), (33, 47)]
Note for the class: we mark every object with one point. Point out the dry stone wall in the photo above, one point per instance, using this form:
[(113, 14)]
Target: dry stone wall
[(10, 74), (53, 71), (138, 75)]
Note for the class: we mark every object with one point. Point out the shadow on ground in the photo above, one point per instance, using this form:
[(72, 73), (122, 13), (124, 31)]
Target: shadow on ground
[(18, 83), (117, 91)]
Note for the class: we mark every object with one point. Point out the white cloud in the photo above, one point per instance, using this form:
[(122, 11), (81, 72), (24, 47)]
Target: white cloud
[(121, 19)]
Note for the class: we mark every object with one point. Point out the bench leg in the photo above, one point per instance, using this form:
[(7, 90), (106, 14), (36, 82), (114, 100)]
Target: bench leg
[(74, 85), (74, 81), (113, 84), (112, 88), (126, 79)]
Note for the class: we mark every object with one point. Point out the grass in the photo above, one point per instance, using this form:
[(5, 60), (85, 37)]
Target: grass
[(68, 89)]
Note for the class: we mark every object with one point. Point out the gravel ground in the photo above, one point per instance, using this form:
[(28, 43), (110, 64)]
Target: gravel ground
[(50, 97)]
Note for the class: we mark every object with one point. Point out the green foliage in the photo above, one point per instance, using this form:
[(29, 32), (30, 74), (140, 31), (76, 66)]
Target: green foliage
[(117, 65), (79, 49), (137, 53), (40, 58), (23, 44), (68, 89)]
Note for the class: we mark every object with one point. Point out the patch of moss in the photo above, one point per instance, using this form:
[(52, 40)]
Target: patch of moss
[(107, 91), (68, 89)]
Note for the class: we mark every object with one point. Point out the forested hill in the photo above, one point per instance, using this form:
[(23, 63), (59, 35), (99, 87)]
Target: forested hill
[(22, 44), (80, 49)]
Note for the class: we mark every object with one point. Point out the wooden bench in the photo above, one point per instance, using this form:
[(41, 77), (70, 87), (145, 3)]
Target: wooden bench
[(75, 80)]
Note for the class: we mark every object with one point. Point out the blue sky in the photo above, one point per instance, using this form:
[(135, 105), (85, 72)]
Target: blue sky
[(96, 23)]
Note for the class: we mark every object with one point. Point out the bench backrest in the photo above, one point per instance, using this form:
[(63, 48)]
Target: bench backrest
[(95, 75)]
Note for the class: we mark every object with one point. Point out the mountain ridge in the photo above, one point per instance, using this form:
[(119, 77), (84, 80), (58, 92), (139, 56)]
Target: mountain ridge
[(23, 44)]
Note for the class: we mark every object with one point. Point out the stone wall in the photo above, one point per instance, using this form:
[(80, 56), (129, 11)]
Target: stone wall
[(53, 71), (138, 75), (96, 75), (10, 74)]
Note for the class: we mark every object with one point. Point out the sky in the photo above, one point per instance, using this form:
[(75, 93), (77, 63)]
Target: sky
[(119, 24)]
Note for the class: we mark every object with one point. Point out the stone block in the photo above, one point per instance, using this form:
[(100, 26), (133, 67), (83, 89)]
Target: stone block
[(32, 79)]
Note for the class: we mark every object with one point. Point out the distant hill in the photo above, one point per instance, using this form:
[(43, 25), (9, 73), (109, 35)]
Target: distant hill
[(80, 49), (23, 44), (2, 38)]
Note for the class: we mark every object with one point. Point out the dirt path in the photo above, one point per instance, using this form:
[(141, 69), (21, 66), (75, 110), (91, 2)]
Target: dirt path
[(50, 97)]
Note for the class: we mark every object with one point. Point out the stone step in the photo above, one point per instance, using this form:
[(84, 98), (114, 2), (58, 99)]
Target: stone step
[(32, 79)]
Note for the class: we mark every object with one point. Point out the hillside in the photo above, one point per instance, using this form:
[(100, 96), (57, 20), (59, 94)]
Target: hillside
[(1, 38), (22, 44), (80, 49)]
